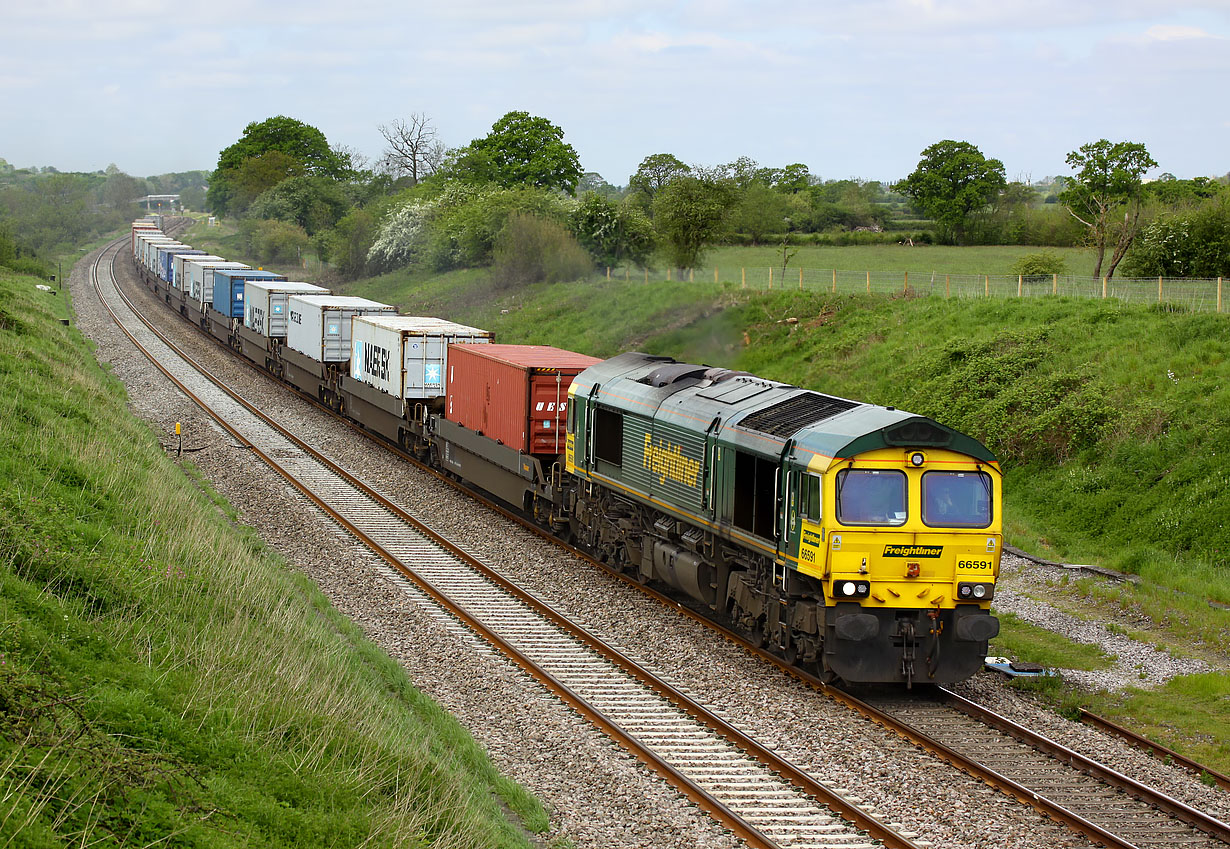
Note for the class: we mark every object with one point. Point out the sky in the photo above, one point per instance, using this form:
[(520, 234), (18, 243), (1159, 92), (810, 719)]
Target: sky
[(852, 89)]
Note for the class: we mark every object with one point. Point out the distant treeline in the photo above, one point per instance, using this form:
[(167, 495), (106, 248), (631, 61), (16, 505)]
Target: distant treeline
[(44, 212)]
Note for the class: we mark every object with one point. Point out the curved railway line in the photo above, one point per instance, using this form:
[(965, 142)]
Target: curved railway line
[(763, 799), (745, 786)]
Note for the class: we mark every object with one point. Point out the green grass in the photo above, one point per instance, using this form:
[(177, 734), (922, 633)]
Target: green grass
[(993, 260), (1190, 714), (1021, 640), (165, 679)]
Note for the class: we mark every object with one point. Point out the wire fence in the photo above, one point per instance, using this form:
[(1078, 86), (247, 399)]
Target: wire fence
[(1195, 295)]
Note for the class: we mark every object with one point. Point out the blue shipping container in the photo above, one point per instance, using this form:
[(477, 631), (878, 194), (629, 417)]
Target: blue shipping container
[(166, 259), (228, 287)]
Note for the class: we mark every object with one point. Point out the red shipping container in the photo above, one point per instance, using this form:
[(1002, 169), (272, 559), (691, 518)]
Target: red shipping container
[(514, 394)]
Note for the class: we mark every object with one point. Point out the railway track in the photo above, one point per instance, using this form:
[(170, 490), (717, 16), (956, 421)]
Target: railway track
[(1111, 811), (1105, 805), (745, 786)]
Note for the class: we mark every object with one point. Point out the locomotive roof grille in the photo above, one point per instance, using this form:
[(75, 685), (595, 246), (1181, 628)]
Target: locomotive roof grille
[(788, 417)]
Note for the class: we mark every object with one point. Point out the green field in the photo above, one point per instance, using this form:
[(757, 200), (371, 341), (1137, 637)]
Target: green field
[(167, 680), (923, 259)]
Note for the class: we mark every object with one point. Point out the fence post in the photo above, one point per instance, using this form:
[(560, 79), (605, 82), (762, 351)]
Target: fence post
[(986, 285), (1020, 284), (905, 289), (715, 274), (1103, 286), (691, 275), (608, 272), (627, 273), (868, 282), (668, 275), (1054, 284), (1219, 294), (770, 277), (800, 279), (743, 275), (647, 275), (1159, 288), (947, 285), (834, 281)]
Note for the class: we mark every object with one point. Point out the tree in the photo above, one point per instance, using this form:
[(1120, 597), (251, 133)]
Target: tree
[(952, 180), (655, 173), (520, 150), (1108, 179), (299, 148), (314, 203), (794, 178), (612, 232), (414, 151), (759, 211), (689, 214), (1195, 243)]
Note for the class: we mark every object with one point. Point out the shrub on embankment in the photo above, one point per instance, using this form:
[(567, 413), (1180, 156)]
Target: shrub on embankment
[(164, 678)]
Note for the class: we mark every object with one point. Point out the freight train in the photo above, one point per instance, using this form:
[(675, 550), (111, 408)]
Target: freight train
[(858, 541)]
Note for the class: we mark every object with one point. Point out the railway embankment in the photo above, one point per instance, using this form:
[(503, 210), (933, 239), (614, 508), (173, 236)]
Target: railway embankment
[(163, 673)]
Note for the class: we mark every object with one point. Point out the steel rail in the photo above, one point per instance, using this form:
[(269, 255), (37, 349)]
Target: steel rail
[(720, 812), (1156, 749)]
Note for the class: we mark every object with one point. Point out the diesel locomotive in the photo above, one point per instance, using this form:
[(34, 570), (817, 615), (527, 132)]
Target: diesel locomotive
[(858, 541)]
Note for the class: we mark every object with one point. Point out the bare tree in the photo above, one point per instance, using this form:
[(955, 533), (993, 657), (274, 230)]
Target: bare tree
[(413, 151)]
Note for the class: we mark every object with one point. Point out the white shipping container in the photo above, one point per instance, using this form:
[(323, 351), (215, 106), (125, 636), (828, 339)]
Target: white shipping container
[(265, 304), (139, 237), (406, 356), (151, 254), (180, 275), (319, 325), (143, 244), (198, 272)]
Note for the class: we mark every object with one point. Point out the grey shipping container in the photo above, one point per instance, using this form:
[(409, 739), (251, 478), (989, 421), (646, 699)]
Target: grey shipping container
[(406, 356), (319, 325), (265, 304)]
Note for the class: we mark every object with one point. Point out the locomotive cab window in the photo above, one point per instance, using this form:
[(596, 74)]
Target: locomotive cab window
[(956, 499), (608, 436), (809, 498), (871, 497)]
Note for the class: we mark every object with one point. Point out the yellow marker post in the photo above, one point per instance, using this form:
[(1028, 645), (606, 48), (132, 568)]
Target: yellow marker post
[(179, 438)]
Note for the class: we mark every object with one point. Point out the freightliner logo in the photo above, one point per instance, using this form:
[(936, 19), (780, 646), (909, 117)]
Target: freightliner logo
[(913, 550)]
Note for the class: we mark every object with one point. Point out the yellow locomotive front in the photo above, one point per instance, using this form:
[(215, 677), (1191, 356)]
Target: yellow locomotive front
[(907, 544)]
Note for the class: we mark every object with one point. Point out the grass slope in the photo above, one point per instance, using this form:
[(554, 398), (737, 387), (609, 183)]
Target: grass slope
[(165, 679)]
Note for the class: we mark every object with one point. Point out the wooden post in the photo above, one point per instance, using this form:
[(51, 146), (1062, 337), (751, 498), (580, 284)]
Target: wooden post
[(691, 275), (770, 277), (743, 275), (1054, 284), (947, 285), (1159, 288), (1219, 294), (800, 279), (715, 274), (905, 290), (834, 281), (627, 273), (1020, 284), (986, 285), (668, 275), (1103, 286), (608, 272), (868, 282), (647, 275)]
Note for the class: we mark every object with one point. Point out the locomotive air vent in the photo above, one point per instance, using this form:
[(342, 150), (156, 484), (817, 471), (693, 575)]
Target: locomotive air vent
[(788, 417), (673, 373), (917, 432)]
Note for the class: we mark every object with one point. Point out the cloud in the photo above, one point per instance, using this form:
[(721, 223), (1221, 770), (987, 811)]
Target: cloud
[(1163, 32)]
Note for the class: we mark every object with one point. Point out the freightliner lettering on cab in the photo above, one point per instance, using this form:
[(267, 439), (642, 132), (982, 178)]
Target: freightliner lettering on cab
[(667, 461), (913, 550)]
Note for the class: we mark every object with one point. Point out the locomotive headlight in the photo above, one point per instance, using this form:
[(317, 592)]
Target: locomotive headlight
[(917, 458), (852, 589), (972, 591)]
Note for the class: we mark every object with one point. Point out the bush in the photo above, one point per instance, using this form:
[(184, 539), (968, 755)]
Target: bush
[(273, 241), (532, 249), (612, 232), (1193, 244), (1041, 264)]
